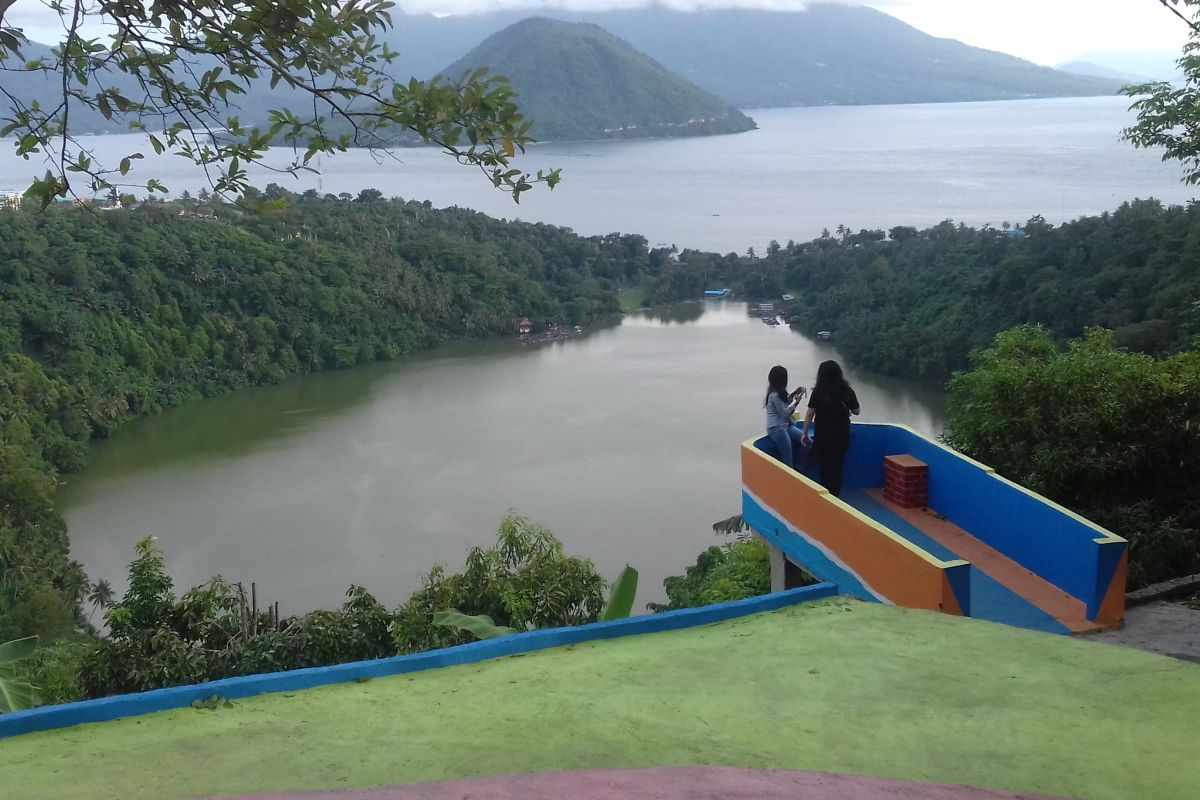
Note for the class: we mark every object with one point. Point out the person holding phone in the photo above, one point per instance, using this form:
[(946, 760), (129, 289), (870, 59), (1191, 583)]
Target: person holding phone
[(781, 405), (831, 403)]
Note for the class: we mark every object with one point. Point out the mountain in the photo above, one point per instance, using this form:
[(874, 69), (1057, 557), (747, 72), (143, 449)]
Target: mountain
[(578, 81), (1079, 67), (1134, 66), (829, 54)]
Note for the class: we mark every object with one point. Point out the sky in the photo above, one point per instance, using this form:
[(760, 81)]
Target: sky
[(1043, 31)]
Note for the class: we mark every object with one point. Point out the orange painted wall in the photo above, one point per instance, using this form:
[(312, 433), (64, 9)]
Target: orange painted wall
[(888, 566)]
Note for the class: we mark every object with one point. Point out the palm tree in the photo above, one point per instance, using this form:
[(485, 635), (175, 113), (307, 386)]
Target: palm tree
[(73, 585), (101, 596)]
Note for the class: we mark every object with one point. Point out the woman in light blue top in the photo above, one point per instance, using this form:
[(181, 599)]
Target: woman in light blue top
[(780, 408)]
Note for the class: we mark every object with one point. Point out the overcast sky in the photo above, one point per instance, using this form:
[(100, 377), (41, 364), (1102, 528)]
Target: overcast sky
[(1045, 31)]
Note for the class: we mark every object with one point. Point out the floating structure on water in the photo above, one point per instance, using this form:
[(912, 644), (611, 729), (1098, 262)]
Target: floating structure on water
[(825, 335), (553, 333)]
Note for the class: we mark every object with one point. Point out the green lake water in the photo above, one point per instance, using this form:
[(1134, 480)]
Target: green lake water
[(623, 441)]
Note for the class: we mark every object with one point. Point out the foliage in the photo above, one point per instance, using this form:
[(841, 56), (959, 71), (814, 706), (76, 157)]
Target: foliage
[(155, 640), (524, 581), (734, 571), (104, 317), (1169, 114), (917, 302), (54, 670), (183, 67), (480, 626), (16, 694), (621, 596), (1111, 434), (578, 81)]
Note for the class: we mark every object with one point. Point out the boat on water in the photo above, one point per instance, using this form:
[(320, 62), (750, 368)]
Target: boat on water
[(824, 335)]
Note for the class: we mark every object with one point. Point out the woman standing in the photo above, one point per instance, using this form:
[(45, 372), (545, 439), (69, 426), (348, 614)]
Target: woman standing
[(780, 408), (831, 403)]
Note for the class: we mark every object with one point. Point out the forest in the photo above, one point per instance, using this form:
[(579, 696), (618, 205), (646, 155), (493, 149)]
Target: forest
[(107, 315), (916, 303), (1070, 352)]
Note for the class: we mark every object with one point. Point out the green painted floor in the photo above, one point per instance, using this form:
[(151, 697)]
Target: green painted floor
[(836, 686)]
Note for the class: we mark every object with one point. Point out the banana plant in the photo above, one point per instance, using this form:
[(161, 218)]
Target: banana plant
[(16, 695), (481, 626), (620, 597)]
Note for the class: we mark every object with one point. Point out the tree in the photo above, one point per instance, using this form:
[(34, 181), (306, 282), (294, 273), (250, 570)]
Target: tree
[(524, 581), (101, 595), (1169, 115), (181, 65), (1110, 434)]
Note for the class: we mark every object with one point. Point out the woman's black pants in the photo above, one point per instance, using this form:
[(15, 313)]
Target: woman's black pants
[(831, 456)]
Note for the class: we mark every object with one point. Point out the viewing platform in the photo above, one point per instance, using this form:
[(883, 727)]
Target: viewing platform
[(922, 526)]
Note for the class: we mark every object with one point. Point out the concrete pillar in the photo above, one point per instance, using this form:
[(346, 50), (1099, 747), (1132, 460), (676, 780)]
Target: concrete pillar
[(778, 566)]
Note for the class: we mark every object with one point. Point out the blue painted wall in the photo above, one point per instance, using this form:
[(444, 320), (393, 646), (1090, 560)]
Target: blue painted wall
[(1031, 532), (108, 708), (800, 551)]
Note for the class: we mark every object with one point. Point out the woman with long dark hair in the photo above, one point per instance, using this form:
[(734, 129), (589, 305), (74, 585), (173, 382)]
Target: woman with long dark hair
[(831, 403), (780, 407)]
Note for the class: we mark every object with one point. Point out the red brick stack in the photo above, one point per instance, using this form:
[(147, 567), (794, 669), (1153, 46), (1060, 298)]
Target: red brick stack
[(906, 481)]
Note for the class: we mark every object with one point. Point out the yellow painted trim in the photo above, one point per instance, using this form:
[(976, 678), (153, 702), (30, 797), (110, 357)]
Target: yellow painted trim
[(853, 512), (1106, 536)]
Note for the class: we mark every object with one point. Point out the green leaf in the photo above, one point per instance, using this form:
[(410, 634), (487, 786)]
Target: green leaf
[(480, 626), (16, 695), (621, 596), (17, 649)]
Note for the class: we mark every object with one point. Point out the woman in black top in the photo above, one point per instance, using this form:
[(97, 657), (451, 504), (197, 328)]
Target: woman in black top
[(832, 402)]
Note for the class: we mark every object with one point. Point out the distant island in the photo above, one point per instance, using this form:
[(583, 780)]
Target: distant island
[(578, 81)]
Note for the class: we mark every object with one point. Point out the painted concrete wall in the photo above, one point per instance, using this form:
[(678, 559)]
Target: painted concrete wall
[(1077, 556), (128, 705), (838, 544)]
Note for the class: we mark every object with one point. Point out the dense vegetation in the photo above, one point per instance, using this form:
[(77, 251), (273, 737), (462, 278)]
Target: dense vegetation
[(577, 81), (155, 639), (829, 54), (104, 316), (1111, 434), (915, 303), (733, 571)]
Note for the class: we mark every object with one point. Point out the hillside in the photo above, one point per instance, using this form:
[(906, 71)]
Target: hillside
[(828, 55), (577, 81)]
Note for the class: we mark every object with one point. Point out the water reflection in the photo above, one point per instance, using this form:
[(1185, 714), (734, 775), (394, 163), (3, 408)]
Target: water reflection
[(623, 441)]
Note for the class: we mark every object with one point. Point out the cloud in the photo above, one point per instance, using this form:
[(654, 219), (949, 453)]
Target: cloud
[(1045, 31), (463, 7)]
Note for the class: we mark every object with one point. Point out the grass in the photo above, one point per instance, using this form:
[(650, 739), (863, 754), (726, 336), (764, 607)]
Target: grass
[(633, 298), (837, 686)]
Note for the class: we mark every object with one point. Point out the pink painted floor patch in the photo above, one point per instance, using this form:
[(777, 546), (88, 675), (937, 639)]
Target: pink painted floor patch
[(662, 783)]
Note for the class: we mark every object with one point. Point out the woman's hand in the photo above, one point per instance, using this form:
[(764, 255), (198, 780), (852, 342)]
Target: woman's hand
[(805, 440), (799, 393)]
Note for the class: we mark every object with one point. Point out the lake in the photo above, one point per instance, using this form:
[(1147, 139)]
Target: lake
[(624, 442), (804, 169)]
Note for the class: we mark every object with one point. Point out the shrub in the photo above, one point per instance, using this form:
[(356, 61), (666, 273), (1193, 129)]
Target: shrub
[(524, 581)]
